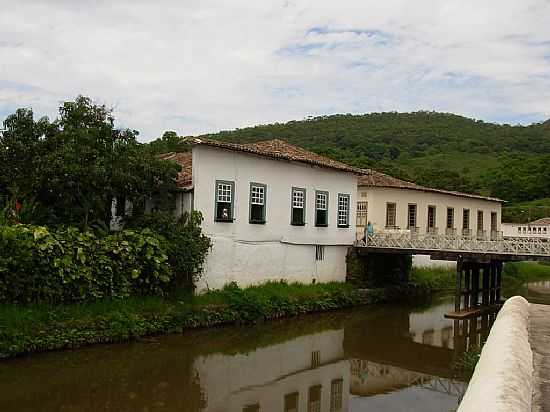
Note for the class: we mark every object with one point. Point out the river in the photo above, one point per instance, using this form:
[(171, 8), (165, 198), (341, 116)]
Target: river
[(373, 358)]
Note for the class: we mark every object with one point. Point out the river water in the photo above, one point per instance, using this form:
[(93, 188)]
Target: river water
[(373, 358)]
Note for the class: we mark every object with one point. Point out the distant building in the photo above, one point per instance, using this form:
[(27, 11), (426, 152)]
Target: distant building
[(538, 229), (394, 205), (273, 211)]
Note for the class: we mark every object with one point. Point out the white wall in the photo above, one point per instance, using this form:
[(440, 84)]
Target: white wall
[(377, 198), (266, 375), (252, 253)]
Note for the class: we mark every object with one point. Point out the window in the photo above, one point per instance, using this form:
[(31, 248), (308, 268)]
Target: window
[(315, 359), (390, 214), (450, 218), (321, 208), (519, 229), (258, 194), (314, 399), (480, 220), (431, 218), (336, 389), (319, 252), (291, 402), (361, 220), (544, 230), (224, 201), (298, 206), (494, 221), (411, 217), (466, 219), (343, 210)]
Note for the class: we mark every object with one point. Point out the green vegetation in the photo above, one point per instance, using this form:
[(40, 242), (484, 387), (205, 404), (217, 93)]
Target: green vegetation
[(435, 149), (437, 279), (526, 211), (38, 264), (46, 327), (514, 275), (465, 364), (68, 171)]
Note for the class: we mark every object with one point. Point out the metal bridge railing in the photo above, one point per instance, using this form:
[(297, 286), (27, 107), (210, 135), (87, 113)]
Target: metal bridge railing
[(445, 243)]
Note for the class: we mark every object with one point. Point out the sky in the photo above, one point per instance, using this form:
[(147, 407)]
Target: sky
[(203, 66)]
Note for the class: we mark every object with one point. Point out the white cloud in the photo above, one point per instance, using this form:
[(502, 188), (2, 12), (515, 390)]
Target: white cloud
[(202, 65)]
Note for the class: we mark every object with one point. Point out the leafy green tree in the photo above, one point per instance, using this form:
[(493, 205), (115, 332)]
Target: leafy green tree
[(74, 167)]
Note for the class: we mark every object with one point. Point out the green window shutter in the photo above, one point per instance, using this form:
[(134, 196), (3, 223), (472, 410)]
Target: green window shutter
[(298, 206), (321, 208), (343, 210), (257, 203), (224, 201)]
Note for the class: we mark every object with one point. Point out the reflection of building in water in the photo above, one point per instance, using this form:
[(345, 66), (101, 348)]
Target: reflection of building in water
[(371, 378), (305, 374), (430, 328)]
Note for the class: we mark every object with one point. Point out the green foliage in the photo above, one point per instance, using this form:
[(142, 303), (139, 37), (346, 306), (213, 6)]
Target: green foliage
[(43, 327), (440, 150), (465, 363), (186, 245), (434, 278), (68, 265), (524, 212), (71, 169)]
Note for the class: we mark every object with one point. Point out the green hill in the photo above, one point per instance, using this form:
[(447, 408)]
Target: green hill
[(436, 149)]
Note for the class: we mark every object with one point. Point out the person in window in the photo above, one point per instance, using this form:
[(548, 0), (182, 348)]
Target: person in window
[(225, 213)]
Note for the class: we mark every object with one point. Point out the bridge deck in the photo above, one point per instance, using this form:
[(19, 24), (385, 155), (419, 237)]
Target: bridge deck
[(452, 247), (539, 336)]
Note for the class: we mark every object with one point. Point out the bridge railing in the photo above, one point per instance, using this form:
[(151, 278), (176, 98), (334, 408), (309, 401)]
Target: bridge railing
[(444, 243)]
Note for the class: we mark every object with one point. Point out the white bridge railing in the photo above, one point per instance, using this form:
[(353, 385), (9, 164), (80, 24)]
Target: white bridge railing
[(434, 242)]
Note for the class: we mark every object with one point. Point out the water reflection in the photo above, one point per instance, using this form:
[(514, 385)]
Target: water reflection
[(372, 358)]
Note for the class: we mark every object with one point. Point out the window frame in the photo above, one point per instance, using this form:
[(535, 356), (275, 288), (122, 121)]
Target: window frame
[(322, 192), (232, 202), (388, 226), (451, 215), (466, 212), (434, 217), (362, 213), (304, 192), (348, 197), (480, 213), (263, 220), (415, 215)]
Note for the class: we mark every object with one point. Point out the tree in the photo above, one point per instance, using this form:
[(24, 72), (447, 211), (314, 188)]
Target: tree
[(74, 167)]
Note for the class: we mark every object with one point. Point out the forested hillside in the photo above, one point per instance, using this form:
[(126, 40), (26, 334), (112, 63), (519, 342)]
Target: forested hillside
[(435, 149)]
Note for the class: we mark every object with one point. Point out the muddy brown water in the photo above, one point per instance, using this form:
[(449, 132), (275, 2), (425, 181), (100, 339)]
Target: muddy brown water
[(374, 358)]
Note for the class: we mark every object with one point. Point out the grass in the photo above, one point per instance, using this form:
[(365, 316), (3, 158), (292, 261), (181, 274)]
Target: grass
[(437, 279), (45, 327), (514, 274)]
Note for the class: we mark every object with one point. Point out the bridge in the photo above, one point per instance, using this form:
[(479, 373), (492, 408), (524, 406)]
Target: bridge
[(479, 262), (448, 247)]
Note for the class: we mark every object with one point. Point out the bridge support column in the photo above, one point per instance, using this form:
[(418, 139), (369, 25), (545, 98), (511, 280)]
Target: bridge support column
[(474, 278)]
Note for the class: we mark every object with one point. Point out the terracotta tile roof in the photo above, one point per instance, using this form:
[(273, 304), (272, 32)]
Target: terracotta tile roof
[(543, 221), (185, 160), (281, 150), (277, 149), (372, 178)]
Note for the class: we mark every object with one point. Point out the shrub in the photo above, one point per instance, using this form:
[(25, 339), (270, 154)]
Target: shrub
[(67, 265), (186, 245)]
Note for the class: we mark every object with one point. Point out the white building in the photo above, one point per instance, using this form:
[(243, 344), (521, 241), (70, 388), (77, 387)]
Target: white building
[(392, 205), (539, 229), (308, 373), (273, 211)]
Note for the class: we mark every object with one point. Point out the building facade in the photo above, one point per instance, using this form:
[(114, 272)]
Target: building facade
[(538, 229), (272, 210), (393, 205)]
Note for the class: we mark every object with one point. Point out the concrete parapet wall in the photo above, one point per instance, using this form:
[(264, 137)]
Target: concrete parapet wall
[(503, 377)]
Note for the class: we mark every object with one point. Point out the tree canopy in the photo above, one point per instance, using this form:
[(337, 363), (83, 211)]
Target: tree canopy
[(68, 171)]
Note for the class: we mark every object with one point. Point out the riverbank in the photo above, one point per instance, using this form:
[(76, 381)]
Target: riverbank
[(514, 275), (36, 328)]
